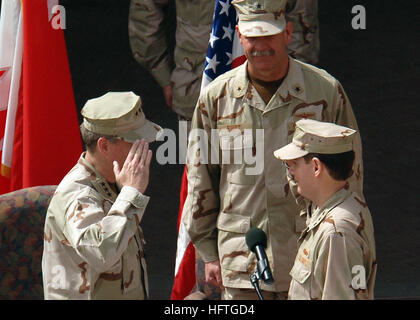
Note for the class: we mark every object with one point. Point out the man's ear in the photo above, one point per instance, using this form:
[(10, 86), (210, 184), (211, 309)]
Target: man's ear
[(239, 33), (102, 145), (318, 166), (289, 31)]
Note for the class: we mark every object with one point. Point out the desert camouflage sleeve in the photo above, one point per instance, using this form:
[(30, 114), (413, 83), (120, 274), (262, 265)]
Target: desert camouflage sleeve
[(99, 238), (201, 207), (303, 14), (147, 37), (339, 253)]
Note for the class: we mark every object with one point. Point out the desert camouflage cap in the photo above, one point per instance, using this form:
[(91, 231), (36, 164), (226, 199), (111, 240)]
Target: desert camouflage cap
[(313, 136), (119, 114), (258, 18)]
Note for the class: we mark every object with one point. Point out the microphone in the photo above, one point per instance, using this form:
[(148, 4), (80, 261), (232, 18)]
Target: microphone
[(256, 241)]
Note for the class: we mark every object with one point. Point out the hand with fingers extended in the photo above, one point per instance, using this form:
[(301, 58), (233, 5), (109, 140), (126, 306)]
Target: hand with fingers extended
[(135, 171)]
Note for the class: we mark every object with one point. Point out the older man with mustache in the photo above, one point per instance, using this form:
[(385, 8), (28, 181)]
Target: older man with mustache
[(267, 94)]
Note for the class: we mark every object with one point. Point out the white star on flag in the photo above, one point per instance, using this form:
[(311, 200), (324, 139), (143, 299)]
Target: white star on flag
[(230, 58), (212, 63), (225, 7), (213, 38), (227, 32)]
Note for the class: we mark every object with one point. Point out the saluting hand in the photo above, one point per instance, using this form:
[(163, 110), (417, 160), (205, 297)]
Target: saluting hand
[(135, 171)]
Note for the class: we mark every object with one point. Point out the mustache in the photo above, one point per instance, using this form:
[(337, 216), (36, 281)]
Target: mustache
[(264, 53)]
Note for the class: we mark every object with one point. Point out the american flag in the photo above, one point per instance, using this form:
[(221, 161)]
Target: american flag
[(224, 51), (223, 54)]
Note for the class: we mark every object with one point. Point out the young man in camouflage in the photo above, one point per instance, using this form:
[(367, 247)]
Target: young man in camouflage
[(336, 258), (271, 91), (181, 83), (93, 244)]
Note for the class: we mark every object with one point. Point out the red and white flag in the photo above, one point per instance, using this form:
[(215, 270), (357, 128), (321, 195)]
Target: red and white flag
[(224, 53), (39, 131)]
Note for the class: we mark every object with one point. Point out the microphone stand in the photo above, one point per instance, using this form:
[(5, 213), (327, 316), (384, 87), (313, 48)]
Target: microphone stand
[(255, 278)]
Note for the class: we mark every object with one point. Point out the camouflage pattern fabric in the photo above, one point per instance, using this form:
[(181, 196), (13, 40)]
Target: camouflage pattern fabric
[(336, 258), (148, 41), (223, 201), (93, 245), (303, 14), (150, 48)]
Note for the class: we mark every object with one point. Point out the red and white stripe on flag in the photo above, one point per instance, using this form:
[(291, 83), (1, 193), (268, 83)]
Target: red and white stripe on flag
[(224, 53), (184, 280), (39, 127), (11, 49)]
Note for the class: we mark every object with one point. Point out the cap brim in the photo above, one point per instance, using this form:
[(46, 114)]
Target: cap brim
[(149, 131), (260, 28), (290, 152)]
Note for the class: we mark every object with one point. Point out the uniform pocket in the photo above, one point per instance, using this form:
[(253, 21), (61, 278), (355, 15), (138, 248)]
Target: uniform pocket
[(314, 111), (235, 137), (233, 222), (233, 250), (131, 268), (236, 145), (301, 269), (237, 175)]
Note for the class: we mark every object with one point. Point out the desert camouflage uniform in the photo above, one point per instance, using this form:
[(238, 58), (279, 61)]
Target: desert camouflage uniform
[(223, 202), (336, 258), (93, 245), (148, 42), (304, 45)]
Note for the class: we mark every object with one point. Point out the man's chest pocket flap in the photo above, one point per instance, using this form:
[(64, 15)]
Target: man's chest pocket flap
[(235, 136), (301, 269)]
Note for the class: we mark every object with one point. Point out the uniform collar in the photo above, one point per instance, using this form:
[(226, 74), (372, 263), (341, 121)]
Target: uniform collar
[(292, 85), (320, 213), (98, 182), (240, 81)]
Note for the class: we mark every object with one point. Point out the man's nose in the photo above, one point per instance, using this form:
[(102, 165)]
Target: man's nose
[(260, 43)]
